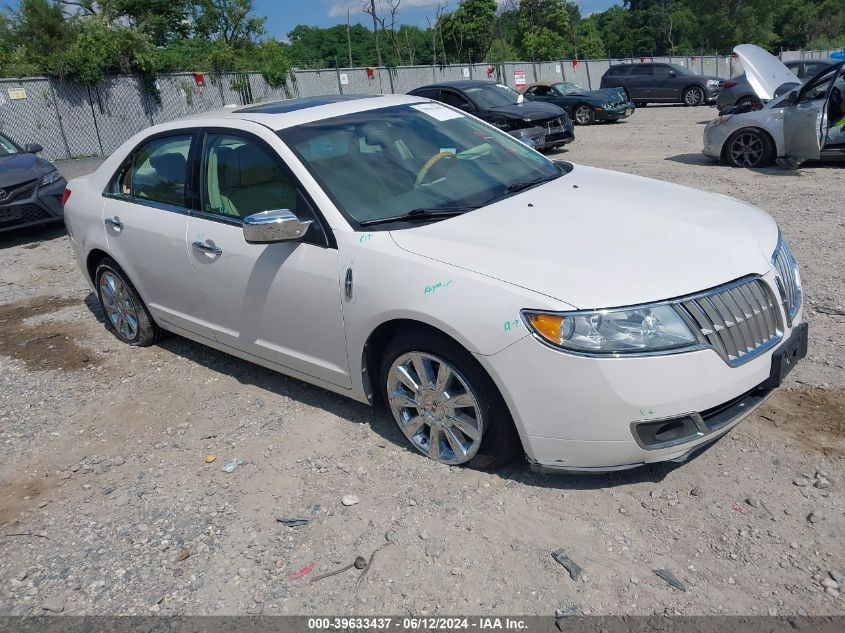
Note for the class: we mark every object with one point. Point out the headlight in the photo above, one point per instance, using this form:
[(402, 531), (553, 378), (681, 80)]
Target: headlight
[(789, 278), (51, 177), (630, 330), (713, 82)]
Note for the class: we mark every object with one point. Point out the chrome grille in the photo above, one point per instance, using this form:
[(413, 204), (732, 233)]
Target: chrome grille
[(739, 321), (789, 282)]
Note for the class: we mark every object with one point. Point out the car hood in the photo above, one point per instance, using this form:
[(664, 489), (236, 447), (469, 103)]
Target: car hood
[(18, 168), (527, 110), (765, 72), (599, 239)]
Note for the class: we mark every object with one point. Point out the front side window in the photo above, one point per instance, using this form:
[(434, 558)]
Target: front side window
[(818, 88), (454, 99), (157, 171), (241, 178), (642, 71), (7, 147), (388, 162)]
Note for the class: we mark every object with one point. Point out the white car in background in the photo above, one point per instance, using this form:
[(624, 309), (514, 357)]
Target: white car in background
[(395, 249), (794, 126)]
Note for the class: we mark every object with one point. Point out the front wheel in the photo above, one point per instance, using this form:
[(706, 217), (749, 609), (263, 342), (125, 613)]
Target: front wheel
[(126, 315), (444, 403), (583, 114), (693, 96), (750, 148)]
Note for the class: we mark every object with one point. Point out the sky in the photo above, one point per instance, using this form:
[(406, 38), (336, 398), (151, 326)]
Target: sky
[(283, 15)]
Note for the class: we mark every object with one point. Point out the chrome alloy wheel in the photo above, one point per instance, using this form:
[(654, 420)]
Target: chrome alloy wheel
[(583, 114), (693, 96), (119, 306), (747, 149), (435, 407)]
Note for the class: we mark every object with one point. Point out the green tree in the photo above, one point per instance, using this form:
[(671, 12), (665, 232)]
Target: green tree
[(468, 30), (232, 21), (542, 27)]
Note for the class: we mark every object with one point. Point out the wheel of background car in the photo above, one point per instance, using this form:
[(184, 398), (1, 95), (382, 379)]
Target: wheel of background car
[(125, 314), (583, 114), (749, 148), (431, 162), (444, 403), (641, 104), (752, 103), (693, 96)]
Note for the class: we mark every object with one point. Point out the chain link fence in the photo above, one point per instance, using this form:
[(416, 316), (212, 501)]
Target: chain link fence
[(71, 120)]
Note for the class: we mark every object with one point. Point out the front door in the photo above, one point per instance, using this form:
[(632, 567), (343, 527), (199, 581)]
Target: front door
[(667, 85), (146, 216), (806, 122), (280, 302)]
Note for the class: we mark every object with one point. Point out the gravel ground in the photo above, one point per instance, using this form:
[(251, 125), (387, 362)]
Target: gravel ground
[(108, 504)]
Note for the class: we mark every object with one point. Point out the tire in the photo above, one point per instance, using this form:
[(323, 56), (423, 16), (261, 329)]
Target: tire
[(582, 114), (641, 104), (125, 314), (753, 103), (749, 148), (420, 413), (693, 96)]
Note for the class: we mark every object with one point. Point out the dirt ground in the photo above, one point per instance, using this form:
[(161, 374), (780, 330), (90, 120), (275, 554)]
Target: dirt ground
[(107, 504)]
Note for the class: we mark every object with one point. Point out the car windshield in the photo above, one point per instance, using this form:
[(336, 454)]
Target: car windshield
[(7, 147), (568, 88), (492, 96), (681, 70), (420, 158)]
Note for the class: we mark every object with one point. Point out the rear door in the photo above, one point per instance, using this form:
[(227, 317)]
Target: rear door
[(640, 82), (805, 123)]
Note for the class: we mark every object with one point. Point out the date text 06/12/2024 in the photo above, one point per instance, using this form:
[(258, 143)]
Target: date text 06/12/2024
[(415, 624)]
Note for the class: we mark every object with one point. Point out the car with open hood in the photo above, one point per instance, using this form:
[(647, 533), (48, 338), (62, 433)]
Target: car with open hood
[(584, 107), (399, 251), (795, 125), (30, 187), (738, 93), (539, 125)]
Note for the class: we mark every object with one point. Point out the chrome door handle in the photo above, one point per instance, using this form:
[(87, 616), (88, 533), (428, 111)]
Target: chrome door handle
[(114, 222), (207, 248)]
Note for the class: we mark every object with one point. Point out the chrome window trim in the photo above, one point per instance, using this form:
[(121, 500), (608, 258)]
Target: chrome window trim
[(689, 320)]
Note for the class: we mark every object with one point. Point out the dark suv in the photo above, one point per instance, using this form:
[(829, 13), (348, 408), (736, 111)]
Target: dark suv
[(662, 83)]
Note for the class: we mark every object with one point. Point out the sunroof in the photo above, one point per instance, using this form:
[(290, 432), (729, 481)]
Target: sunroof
[(291, 105)]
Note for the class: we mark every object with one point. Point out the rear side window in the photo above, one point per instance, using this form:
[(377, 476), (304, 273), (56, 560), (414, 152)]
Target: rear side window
[(642, 70), (157, 171), (617, 71)]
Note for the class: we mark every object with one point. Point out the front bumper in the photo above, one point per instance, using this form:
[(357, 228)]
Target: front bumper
[(32, 205), (547, 135), (588, 414), (616, 113), (714, 140)]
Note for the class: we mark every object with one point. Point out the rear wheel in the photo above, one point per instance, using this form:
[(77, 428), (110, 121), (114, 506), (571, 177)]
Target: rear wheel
[(583, 114), (750, 148), (126, 315), (444, 403), (693, 96), (752, 103)]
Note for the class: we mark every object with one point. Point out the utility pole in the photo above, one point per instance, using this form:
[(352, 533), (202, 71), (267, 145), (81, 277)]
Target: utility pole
[(374, 14), (348, 39)]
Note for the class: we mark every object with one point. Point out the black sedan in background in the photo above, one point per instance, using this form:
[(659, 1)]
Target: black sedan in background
[(31, 188), (585, 107), (662, 83), (540, 125)]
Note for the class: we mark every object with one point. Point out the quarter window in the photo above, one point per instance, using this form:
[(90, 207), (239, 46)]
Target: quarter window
[(157, 172)]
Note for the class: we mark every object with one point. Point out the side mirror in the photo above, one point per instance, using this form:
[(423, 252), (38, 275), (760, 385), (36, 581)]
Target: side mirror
[(268, 227), (32, 148), (672, 73), (793, 97)]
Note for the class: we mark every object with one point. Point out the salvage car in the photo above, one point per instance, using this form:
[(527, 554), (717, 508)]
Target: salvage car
[(540, 125), (30, 187), (394, 249), (805, 123), (584, 107), (662, 83)]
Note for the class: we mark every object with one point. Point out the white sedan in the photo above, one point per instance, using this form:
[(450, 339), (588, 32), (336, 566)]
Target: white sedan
[(394, 249)]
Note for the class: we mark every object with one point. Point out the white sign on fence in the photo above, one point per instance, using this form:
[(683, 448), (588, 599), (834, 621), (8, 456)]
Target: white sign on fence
[(344, 79), (17, 93), (465, 72), (557, 68), (519, 78)]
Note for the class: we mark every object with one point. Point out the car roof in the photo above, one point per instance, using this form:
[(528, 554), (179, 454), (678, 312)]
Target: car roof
[(462, 84), (278, 115)]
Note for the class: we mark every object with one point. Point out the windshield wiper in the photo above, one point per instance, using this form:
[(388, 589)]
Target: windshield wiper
[(527, 184), (421, 213)]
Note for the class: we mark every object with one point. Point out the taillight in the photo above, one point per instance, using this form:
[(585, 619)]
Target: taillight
[(65, 196), (728, 84)]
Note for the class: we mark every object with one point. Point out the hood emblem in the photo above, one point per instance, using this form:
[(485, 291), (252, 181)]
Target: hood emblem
[(3, 194)]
